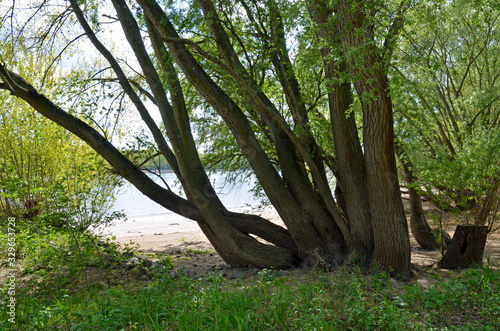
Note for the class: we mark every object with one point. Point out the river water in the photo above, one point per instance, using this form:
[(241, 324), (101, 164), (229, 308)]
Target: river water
[(145, 217)]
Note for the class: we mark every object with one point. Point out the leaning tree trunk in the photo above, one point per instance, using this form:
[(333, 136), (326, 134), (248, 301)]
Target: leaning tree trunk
[(466, 249), (233, 246), (222, 230), (313, 233), (418, 224)]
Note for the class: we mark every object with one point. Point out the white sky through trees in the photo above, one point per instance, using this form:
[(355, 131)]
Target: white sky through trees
[(35, 25)]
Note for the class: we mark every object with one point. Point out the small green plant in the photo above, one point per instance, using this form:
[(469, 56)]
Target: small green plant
[(168, 262), (200, 251)]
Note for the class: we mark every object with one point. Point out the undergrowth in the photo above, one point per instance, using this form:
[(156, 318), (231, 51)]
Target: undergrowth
[(57, 290), (340, 300)]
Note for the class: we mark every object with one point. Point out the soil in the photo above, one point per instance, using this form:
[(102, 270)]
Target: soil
[(194, 253)]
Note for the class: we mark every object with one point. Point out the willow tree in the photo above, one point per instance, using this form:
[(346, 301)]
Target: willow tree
[(237, 58), (448, 105)]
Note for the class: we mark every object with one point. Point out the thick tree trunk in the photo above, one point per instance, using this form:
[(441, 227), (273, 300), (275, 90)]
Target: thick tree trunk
[(276, 190), (351, 168), (331, 245), (466, 248), (316, 228), (234, 246), (390, 229), (392, 242), (312, 235)]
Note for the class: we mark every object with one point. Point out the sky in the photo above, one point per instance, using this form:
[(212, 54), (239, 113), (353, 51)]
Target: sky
[(82, 55)]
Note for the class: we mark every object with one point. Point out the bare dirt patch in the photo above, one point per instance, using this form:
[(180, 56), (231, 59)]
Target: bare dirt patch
[(194, 253)]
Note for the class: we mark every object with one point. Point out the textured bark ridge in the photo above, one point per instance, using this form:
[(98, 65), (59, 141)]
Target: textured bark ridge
[(466, 248)]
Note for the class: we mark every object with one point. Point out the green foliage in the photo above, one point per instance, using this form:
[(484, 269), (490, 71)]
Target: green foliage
[(200, 251), (447, 104), (473, 169), (52, 266), (47, 174), (41, 250), (329, 301)]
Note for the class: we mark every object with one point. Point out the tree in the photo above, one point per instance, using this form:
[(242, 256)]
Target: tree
[(47, 174), (237, 58), (448, 105)]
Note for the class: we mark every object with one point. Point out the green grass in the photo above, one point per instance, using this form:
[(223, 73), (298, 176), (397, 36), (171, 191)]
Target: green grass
[(200, 251), (340, 300), (75, 282)]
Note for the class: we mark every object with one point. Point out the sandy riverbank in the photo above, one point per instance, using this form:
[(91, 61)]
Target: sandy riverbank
[(182, 239)]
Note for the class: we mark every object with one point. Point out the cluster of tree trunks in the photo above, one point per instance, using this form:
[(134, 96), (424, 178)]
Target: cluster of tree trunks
[(368, 225)]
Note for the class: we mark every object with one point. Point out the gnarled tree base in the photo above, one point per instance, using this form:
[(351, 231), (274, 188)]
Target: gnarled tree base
[(466, 249)]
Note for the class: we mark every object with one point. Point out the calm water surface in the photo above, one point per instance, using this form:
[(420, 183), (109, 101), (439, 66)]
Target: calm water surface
[(144, 216)]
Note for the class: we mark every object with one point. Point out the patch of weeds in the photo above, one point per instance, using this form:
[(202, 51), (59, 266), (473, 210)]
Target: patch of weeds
[(344, 299), (168, 261), (200, 251), (268, 275), (469, 300)]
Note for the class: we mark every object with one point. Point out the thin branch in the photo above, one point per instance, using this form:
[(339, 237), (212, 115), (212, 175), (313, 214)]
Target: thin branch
[(146, 117), (395, 28), (58, 56)]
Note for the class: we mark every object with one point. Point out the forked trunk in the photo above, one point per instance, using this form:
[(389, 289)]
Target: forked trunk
[(309, 226)]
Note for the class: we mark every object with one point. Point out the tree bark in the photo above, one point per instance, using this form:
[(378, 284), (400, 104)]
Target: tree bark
[(331, 244), (466, 249), (233, 246), (390, 229), (351, 163), (310, 233), (418, 224)]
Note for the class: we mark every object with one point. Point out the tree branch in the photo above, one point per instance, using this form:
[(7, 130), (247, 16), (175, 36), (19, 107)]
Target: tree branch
[(148, 120), (396, 26), (123, 166)]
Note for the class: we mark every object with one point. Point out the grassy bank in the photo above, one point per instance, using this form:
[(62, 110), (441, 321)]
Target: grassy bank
[(343, 299), (69, 280)]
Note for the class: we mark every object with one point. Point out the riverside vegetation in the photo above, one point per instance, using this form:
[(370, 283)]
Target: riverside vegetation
[(301, 94), (363, 84), (79, 281)]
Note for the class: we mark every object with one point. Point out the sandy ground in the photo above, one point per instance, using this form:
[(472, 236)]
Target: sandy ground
[(178, 236), (193, 239)]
